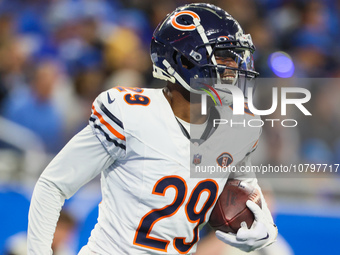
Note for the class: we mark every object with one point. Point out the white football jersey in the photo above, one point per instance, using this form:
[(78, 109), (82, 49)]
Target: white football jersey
[(153, 200)]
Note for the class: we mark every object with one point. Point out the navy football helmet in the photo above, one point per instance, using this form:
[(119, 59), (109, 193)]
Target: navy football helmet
[(187, 43)]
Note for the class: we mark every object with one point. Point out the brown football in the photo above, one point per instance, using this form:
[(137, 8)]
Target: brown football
[(231, 209)]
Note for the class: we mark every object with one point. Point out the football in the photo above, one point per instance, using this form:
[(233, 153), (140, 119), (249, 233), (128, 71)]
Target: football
[(231, 209)]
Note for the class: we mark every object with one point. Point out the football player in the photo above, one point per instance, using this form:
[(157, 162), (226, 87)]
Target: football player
[(145, 143)]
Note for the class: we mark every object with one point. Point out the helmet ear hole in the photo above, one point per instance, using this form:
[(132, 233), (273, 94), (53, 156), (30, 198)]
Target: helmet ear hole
[(186, 63), (174, 57)]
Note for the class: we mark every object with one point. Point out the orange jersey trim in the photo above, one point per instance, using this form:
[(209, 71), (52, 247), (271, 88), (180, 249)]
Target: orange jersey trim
[(109, 127)]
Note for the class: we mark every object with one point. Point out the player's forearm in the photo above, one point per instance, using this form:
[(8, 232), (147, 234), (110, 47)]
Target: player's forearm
[(77, 163), (46, 204)]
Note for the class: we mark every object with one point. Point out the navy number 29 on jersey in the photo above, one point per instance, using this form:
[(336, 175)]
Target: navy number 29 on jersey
[(142, 235)]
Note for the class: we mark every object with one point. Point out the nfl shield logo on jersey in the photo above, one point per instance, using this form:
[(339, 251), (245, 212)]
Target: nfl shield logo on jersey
[(225, 159), (197, 159)]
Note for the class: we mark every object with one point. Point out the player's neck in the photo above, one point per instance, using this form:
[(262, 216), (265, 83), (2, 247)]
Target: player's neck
[(184, 108)]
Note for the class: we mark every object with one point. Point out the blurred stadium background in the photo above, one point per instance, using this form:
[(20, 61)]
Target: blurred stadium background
[(57, 55)]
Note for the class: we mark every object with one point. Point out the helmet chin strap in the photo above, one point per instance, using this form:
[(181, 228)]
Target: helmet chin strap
[(161, 74)]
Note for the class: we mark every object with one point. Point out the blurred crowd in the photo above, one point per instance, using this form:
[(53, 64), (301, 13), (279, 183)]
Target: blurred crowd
[(56, 56)]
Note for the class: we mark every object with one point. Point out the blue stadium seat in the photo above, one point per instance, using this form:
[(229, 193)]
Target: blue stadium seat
[(13, 214)]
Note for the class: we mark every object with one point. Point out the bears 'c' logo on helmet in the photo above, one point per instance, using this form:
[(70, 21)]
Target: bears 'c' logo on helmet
[(183, 27)]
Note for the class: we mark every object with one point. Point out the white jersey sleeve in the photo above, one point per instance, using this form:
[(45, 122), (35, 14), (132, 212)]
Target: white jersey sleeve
[(106, 122), (78, 162)]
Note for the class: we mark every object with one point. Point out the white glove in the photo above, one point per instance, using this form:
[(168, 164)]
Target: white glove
[(263, 232)]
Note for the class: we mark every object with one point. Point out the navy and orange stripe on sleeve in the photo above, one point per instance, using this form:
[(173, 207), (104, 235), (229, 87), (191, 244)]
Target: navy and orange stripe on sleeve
[(107, 125), (107, 137)]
